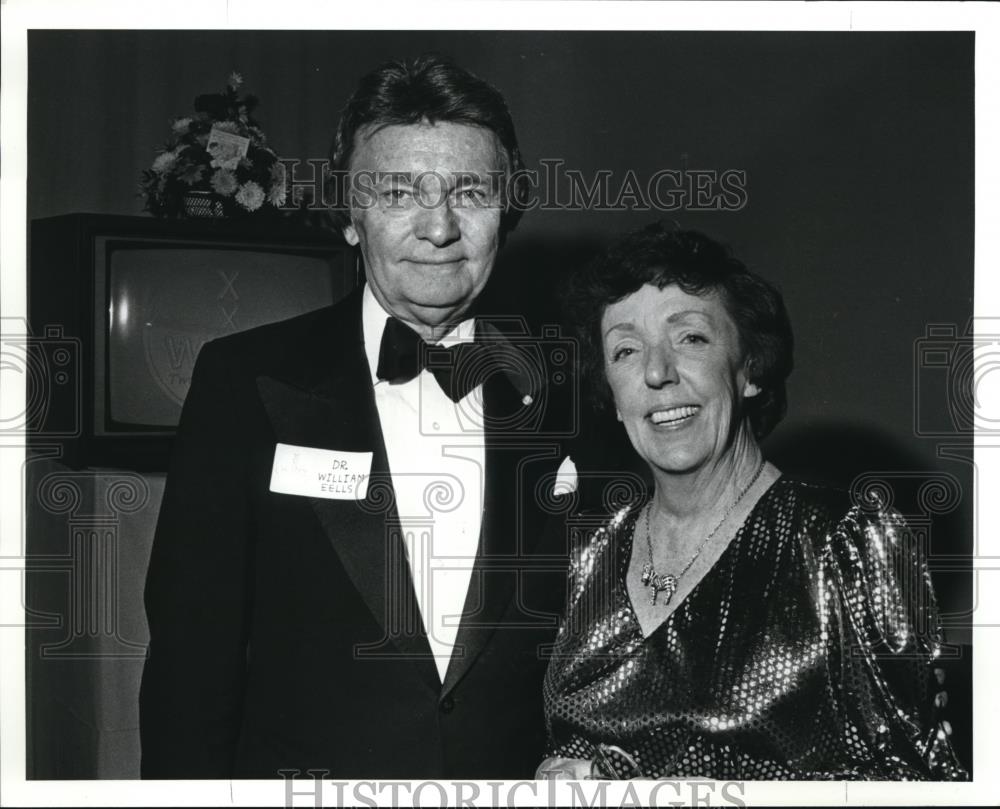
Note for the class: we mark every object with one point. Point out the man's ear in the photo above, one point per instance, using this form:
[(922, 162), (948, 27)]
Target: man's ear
[(351, 235)]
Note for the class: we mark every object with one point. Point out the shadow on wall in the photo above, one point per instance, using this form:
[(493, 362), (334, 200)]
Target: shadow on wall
[(861, 459), (530, 275)]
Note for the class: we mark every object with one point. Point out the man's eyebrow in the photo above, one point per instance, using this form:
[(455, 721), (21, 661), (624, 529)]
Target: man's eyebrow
[(466, 178), (401, 177)]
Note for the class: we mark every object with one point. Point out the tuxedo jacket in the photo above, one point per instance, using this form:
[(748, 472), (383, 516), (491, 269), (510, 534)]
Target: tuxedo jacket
[(284, 630)]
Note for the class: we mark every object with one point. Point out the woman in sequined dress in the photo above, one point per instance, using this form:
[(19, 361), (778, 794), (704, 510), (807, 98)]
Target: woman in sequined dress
[(734, 623)]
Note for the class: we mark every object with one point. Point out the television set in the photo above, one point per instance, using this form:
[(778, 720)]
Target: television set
[(120, 306)]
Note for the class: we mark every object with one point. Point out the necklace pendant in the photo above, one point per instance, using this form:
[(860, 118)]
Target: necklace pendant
[(666, 584), (647, 574)]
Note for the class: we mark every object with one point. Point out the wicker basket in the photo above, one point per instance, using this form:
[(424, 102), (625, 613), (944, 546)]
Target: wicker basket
[(203, 204)]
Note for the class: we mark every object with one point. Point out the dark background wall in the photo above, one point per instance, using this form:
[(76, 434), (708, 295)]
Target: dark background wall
[(858, 152), (858, 149)]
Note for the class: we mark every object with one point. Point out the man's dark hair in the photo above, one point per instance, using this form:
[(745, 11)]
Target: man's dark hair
[(432, 89), (662, 255)]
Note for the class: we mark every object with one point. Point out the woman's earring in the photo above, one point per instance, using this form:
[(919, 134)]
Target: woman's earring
[(750, 390), (618, 413)]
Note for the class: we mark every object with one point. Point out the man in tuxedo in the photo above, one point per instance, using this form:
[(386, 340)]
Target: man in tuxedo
[(347, 573)]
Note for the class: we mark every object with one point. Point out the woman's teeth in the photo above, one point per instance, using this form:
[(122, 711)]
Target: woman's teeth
[(673, 415)]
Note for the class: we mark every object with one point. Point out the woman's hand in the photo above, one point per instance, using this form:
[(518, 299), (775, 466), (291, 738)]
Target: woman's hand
[(563, 769)]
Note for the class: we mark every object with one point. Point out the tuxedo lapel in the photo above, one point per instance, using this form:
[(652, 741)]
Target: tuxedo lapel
[(501, 546), (324, 399)]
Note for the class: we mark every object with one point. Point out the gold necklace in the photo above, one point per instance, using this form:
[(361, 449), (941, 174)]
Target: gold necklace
[(667, 582)]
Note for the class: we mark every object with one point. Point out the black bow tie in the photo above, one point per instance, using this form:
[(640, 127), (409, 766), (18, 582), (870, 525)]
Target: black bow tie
[(403, 354)]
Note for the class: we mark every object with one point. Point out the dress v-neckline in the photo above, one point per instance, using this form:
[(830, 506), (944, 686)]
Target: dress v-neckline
[(625, 566)]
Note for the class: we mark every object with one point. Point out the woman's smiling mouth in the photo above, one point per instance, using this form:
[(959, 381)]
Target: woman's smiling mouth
[(673, 416)]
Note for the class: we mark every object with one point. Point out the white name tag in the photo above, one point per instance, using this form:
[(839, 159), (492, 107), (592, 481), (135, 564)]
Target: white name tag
[(328, 473)]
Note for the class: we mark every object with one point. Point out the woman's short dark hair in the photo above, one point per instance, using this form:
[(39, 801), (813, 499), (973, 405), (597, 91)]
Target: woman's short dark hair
[(662, 255), (428, 88)]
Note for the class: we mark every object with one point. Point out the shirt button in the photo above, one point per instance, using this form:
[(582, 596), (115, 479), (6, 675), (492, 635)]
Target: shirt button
[(447, 705)]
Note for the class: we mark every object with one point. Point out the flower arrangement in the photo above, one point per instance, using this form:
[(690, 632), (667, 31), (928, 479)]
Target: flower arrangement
[(220, 154)]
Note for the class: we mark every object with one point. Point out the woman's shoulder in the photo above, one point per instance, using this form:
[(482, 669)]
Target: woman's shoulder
[(854, 530), (593, 532), (607, 519), (826, 508), (866, 546), (791, 492)]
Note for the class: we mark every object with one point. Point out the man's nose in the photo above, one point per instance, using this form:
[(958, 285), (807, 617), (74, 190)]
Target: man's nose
[(661, 367), (437, 223)]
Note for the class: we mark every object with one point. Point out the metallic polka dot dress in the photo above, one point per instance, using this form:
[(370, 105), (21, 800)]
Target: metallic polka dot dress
[(802, 654)]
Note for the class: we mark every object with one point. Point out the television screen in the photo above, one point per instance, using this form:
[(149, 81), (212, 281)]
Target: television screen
[(163, 304), (126, 303)]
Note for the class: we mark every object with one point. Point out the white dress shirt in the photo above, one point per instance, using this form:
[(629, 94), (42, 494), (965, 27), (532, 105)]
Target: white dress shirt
[(437, 460)]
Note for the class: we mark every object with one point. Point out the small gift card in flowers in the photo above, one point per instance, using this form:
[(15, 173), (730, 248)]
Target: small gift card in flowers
[(226, 148)]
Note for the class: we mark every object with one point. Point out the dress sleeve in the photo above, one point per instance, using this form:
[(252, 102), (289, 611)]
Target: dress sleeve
[(885, 635), (557, 744), (585, 538)]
